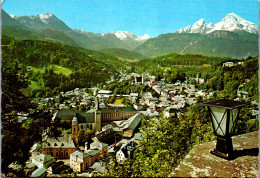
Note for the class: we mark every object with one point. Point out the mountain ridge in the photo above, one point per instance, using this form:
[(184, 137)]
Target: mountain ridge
[(233, 36), (39, 24)]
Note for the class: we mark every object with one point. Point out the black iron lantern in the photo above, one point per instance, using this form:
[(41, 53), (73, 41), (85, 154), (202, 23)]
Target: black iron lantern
[(224, 116)]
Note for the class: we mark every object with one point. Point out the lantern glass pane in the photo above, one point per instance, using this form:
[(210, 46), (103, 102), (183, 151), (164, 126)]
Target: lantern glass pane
[(219, 120), (233, 117)]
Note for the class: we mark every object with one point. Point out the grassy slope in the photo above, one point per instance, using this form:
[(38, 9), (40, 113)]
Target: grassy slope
[(57, 69), (39, 84)]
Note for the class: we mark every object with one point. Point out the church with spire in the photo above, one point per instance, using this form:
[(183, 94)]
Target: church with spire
[(94, 118)]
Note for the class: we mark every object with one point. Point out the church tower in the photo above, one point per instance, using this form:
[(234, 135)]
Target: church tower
[(96, 103), (97, 116), (75, 130)]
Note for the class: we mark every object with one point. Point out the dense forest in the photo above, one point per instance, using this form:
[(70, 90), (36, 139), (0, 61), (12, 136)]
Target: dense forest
[(183, 59), (18, 137)]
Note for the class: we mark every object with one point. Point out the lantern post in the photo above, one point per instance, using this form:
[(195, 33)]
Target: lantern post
[(224, 115)]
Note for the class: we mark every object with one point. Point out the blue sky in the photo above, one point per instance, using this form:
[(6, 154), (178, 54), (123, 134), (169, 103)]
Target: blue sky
[(153, 17)]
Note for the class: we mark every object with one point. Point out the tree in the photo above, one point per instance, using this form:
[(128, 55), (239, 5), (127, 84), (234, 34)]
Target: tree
[(199, 99), (81, 136), (246, 122), (18, 137), (84, 136), (13, 80), (193, 82)]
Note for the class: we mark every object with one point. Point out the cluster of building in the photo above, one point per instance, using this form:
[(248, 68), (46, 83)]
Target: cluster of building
[(116, 121), (71, 99), (112, 123), (171, 98)]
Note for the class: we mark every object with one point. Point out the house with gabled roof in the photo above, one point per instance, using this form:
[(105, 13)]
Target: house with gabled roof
[(132, 125)]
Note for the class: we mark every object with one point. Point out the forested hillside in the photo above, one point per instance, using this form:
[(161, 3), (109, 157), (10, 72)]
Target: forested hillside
[(223, 80), (123, 53), (181, 59), (218, 43), (53, 67)]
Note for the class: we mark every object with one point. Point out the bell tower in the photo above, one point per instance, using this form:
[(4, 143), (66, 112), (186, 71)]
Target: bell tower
[(97, 116), (97, 103), (97, 120), (75, 130)]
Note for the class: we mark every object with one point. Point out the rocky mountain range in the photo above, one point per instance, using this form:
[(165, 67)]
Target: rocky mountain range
[(49, 27), (233, 36)]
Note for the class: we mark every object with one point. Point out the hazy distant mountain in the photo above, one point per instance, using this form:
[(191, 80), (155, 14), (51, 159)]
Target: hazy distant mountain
[(232, 22), (118, 39), (128, 38), (233, 36), (225, 44), (45, 27)]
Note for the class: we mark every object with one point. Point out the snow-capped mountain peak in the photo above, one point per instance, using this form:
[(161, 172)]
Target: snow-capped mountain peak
[(42, 21), (232, 17), (200, 22), (122, 35), (231, 22), (198, 27), (44, 17), (145, 37)]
